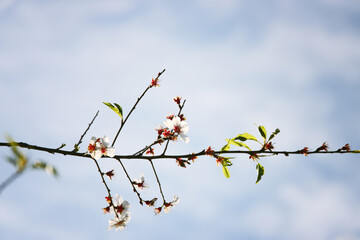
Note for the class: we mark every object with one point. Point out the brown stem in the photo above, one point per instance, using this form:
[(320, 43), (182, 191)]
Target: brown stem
[(82, 136), (180, 109), (133, 108), (128, 177), (158, 181), (201, 153), (106, 186)]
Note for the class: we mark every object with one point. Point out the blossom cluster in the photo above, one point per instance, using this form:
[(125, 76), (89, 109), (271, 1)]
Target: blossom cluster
[(175, 126), (167, 205), (99, 147), (120, 209)]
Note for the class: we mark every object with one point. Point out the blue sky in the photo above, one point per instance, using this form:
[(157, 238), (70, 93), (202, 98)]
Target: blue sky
[(291, 65)]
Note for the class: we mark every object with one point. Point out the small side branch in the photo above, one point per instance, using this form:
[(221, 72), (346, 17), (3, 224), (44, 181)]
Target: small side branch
[(106, 186), (133, 108), (128, 177), (158, 181), (76, 146), (167, 142)]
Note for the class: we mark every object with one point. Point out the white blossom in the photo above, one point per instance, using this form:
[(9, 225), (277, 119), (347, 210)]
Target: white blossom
[(119, 223), (121, 206), (140, 183), (179, 127), (100, 146), (174, 202)]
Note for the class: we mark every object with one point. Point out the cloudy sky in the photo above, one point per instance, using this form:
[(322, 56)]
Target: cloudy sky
[(292, 65)]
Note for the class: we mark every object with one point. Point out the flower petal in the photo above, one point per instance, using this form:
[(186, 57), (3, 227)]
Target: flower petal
[(169, 124), (110, 151)]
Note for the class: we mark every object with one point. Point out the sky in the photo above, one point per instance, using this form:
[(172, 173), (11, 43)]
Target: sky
[(291, 65)]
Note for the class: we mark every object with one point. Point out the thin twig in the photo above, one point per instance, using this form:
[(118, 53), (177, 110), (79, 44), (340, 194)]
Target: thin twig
[(167, 142), (76, 146), (106, 186), (158, 181), (133, 108), (131, 182), (141, 152)]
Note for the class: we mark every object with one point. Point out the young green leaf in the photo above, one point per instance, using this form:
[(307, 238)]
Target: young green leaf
[(262, 131), (120, 109), (261, 170), (274, 134), (226, 172), (117, 109), (239, 144), (226, 147), (76, 147), (245, 136), (226, 162), (46, 167)]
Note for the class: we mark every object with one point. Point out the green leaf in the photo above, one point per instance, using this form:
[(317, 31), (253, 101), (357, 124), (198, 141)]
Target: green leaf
[(120, 109), (117, 109), (274, 134), (245, 136), (356, 151), (226, 162), (39, 165), (239, 144), (46, 167), (76, 147), (226, 172), (261, 170), (20, 159), (226, 147), (262, 131)]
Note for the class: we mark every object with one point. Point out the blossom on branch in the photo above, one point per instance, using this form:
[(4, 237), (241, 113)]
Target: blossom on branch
[(119, 223), (345, 148), (174, 202), (121, 206), (100, 146), (323, 147), (179, 127), (170, 116), (209, 151), (269, 146), (182, 118), (155, 82), (192, 158), (151, 202), (150, 151), (177, 100), (182, 162), (110, 174), (106, 209), (304, 151), (157, 210), (140, 183)]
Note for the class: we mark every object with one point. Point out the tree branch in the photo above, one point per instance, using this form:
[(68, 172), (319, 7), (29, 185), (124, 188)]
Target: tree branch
[(133, 108), (201, 153)]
